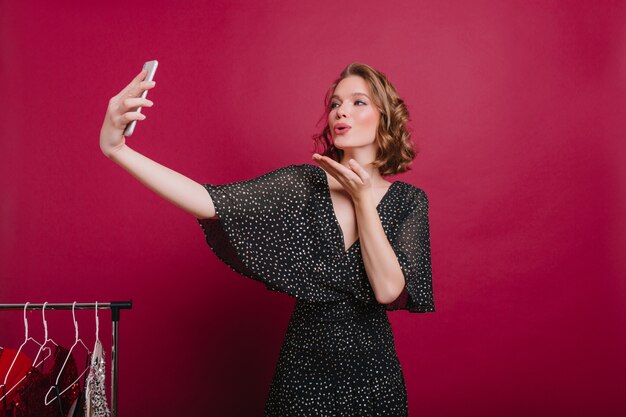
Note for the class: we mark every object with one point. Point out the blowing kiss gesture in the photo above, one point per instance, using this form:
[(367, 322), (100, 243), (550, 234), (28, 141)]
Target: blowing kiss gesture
[(356, 181)]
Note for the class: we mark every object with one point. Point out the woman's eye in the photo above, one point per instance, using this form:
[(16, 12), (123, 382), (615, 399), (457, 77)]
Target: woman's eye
[(335, 104)]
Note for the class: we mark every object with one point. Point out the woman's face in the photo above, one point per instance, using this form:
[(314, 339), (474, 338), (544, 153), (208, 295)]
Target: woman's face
[(351, 105)]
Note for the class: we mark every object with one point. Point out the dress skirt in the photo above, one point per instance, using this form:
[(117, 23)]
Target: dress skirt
[(337, 359)]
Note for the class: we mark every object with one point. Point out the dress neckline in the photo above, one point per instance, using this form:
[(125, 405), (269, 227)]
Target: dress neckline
[(334, 214)]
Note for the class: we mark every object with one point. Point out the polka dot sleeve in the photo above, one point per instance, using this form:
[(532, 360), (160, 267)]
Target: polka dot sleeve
[(412, 247), (263, 232)]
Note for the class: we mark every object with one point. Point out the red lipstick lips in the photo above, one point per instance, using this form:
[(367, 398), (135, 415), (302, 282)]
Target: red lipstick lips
[(341, 128)]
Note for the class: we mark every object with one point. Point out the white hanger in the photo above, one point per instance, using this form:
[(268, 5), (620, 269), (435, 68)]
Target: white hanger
[(48, 401), (42, 348), (26, 339), (46, 340)]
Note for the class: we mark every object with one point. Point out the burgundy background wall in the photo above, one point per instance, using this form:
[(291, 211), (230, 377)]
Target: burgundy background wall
[(518, 110)]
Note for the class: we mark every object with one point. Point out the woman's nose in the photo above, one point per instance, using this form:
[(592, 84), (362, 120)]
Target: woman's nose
[(341, 111)]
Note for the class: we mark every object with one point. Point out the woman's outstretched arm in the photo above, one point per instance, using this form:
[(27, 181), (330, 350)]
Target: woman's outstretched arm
[(169, 184)]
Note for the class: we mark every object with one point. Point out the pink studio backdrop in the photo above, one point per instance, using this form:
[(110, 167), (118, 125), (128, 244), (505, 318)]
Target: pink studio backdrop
[(517, 108)]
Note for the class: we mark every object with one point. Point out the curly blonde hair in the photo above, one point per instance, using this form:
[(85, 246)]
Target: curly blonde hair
[(395, 149)]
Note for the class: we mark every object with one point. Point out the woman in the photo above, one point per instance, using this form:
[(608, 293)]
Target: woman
[(348, 245)]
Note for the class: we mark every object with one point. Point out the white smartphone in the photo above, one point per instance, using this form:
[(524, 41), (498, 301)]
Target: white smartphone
[(151, 66)]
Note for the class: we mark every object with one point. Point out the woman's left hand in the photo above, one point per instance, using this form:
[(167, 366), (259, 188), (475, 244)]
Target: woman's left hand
[(355, 180)]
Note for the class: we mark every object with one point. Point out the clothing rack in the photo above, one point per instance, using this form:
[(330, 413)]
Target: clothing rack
[(115, 307)]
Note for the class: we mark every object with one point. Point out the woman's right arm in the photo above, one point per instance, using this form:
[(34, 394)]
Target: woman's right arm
[(172, 186)]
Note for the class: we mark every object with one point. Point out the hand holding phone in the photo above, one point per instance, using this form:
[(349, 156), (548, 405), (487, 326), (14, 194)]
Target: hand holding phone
[(151, 67)]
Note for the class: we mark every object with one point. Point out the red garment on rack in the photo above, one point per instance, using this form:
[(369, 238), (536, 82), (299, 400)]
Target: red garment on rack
[(20, 367), (29, 398)]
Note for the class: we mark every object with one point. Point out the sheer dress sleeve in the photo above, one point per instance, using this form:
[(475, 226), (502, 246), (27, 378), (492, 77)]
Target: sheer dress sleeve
[(263, 232), (411, 245)]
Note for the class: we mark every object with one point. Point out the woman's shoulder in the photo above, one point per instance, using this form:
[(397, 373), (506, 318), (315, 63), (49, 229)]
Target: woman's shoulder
[(306, 168), (311, 174), (292, 170), (411, 195), (296, 169), (418, 192), (296, 176)]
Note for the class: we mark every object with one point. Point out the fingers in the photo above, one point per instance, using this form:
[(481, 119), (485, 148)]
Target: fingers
[(129, 110), (126, 106), (120, 121), (129, 98), (138, 78), (326, 165), (137, 86), (335, 168), (128, 117), (343, 174), (357, 168), (136, 90), (135, 81), (137, 102)]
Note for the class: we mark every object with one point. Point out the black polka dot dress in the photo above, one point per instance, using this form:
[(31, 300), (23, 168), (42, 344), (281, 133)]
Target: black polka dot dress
[(338, 357)]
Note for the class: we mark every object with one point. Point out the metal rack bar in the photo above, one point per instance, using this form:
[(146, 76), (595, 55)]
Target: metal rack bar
[(115, 307)]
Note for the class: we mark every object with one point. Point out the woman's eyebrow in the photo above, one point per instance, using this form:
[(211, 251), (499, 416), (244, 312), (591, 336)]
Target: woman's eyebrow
[(352, 95)]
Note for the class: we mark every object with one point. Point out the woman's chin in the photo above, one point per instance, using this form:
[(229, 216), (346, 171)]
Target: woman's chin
[(339, 141), (342, 144)]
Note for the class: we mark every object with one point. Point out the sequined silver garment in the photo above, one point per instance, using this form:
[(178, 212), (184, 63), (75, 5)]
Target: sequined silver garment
[(95, 388), (338, 357)]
